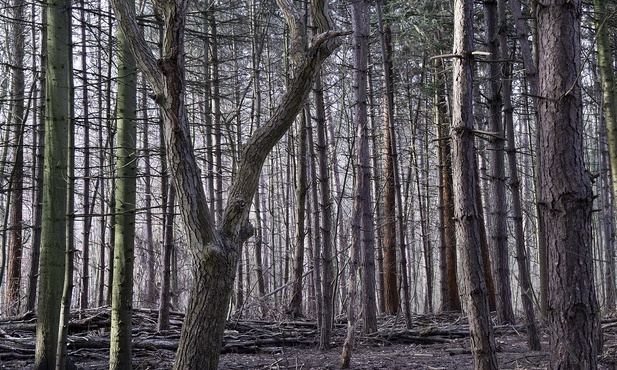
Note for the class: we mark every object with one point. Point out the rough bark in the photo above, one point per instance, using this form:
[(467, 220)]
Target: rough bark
[(466, 210), (390, 170), (566, 195)]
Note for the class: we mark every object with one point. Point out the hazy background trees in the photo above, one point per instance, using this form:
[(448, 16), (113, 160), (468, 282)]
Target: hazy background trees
[(237, 63)]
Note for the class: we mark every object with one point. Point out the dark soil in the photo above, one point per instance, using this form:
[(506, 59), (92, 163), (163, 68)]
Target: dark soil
[(436, 342)]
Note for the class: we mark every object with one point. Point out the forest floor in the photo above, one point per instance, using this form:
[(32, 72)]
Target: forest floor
[(439, 341)]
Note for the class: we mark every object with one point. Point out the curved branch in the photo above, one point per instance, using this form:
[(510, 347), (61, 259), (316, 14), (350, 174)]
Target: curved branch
[(144, 57), (264, 138)]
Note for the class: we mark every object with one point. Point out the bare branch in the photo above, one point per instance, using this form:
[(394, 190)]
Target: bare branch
[(143, 55)]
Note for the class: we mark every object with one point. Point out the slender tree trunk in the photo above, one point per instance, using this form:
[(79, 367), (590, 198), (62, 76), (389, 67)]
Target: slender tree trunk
[(450, 299), (326, 216), (466, 210), (87, 219), (17, 126), (33, 271), (62, 360), (566, 195), (53, 233), (609, 106), (391, 291), (125, 194), (363, 176), (531, 76), (168, 246), (524, 276), (150, 286), (360, 25), (498, 225), (608, 222)]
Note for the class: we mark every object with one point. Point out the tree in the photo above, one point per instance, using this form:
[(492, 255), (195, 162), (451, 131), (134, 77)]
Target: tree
[(524, 277), (450, 299), (125, 197), (390, 170), (53, 233), (498, 225), (466, 210), (566, 197), (215, 246), (17, 124), (609, 108)]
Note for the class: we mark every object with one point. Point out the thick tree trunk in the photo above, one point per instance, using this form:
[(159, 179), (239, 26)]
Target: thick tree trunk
[(566, 196), (466, 210)]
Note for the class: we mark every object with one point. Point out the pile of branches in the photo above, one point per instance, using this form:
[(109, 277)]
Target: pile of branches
[(89, 336)]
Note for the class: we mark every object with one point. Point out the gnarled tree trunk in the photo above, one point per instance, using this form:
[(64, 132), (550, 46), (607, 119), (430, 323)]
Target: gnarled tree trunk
[(215, 247)]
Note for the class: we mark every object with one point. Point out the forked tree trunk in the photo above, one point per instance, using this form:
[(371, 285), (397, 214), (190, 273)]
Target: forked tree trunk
[(215, 246), (566, 196)]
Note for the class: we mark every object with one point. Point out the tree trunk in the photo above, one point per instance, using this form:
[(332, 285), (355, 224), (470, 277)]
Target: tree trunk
[(125, 194), (168, 246), (150, 260), (450, 299), (498, 225), (326, 215), (609, 106), (391, 295), (53, 233), (62, 360), (566, 195), (524, 277), (295, 304), (17, 126), (215, 247), (466, 210)]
